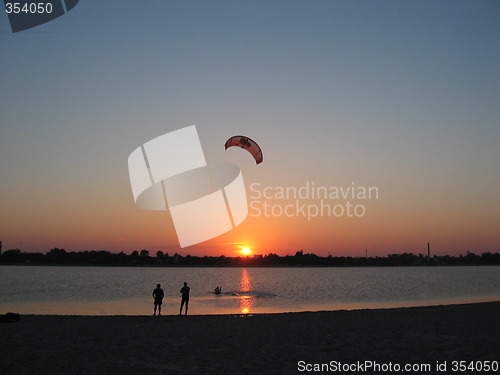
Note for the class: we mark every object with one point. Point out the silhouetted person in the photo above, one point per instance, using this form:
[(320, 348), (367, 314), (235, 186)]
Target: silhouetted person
[(185, 297), (158, 296)]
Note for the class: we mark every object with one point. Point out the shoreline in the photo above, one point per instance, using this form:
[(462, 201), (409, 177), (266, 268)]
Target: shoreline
[(30, 264), (271, 343), (143, 306), (343, 307), (437, 305)]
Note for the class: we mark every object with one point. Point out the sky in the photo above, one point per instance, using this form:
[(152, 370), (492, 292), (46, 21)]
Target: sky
[(402, 96)]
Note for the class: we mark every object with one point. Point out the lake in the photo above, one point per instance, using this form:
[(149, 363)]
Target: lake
[(127, 290)]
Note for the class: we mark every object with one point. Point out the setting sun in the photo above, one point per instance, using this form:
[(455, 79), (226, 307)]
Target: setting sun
[(246, 251)]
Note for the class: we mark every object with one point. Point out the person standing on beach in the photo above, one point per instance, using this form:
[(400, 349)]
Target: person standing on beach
[(158, 298), (185, 297)]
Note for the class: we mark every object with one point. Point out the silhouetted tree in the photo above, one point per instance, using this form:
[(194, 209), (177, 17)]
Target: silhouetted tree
[(61, 256)]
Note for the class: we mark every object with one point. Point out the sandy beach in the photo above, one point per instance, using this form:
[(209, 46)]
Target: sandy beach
[(258, 344)]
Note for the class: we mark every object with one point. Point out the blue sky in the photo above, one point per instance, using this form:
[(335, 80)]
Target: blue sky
[(398, 94)]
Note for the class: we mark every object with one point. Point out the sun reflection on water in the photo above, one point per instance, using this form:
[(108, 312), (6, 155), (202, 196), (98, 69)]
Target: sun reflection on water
[(246, 302)]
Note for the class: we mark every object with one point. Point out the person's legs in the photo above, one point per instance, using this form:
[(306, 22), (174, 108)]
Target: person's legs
[(180, 310), (159, 309), (154, 313), (187, 304)]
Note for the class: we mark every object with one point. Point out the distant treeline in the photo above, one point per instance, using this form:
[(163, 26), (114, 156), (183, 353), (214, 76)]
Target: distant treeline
[(143, 258)]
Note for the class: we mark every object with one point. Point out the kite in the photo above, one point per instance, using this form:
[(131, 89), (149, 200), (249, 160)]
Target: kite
[(247, 144)]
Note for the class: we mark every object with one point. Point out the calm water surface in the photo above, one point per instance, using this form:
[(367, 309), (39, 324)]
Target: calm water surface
[(123, 290)]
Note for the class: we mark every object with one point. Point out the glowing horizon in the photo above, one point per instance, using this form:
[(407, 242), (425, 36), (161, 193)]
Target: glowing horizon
[(337, 95)]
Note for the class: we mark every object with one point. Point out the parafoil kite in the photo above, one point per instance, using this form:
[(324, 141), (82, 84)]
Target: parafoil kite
[(247, 144)]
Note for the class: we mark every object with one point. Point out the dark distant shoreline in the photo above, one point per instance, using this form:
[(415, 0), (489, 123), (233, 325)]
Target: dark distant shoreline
[(60, 257), (236, 265)]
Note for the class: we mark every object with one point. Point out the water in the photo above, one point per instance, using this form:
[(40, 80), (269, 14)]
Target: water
[(124, 290)]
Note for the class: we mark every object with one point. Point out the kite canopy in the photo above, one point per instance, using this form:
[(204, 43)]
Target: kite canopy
[(248, 144)]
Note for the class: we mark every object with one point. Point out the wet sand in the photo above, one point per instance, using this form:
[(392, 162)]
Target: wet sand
[(258, 344)]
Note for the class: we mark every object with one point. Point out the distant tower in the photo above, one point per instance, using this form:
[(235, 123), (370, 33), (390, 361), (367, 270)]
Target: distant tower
[(428, 250), (0, 247), (366, 253)]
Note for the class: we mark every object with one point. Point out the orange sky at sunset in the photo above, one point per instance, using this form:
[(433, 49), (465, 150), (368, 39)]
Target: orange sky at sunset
[(336, 94)]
